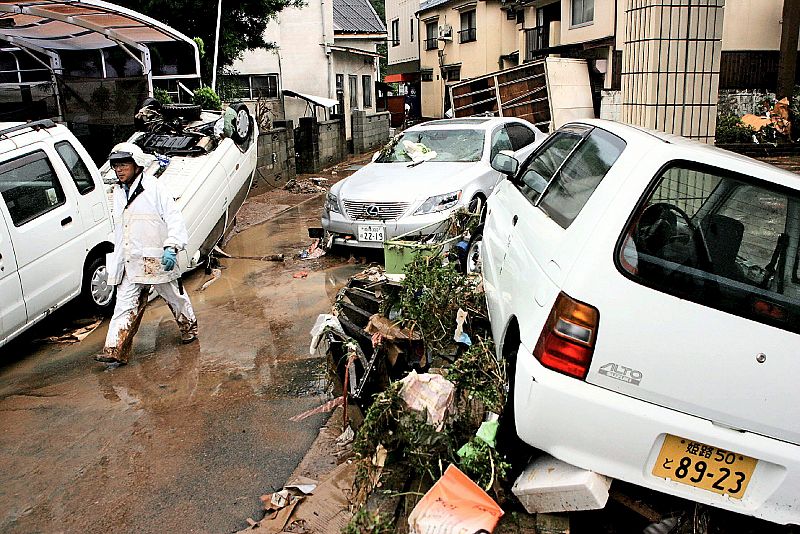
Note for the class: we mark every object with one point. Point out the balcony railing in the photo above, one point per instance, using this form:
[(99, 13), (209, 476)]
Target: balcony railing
[(536, 39), (468, 35), (431, 44)]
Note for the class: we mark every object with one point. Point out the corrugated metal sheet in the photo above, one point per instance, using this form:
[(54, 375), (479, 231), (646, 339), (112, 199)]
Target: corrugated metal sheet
[(356, 16), (427, 4)]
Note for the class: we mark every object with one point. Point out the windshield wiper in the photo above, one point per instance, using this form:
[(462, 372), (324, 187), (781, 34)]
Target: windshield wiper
[(414, 164)]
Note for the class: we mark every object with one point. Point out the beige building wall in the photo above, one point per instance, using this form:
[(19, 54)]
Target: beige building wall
[(670, 73), (404, 12), (495, 36), (752, 25), (602, 26)]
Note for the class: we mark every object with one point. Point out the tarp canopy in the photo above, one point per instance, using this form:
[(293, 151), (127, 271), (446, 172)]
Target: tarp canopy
[(312, 99), (61, 25)]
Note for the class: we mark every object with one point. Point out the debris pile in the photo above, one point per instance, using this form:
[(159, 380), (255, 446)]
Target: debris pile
[(304, 186)]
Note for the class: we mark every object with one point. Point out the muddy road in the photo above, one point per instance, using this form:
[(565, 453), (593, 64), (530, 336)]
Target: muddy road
[(186, 437)]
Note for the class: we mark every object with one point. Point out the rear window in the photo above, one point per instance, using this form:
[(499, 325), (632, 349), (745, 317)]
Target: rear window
[(719, 239)]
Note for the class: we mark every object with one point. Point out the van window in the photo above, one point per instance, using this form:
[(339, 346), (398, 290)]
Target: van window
[(545, 163), (76, 167), (721, 240), (572, 186), (30, 187)]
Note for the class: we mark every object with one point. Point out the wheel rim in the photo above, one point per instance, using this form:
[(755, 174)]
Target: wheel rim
[(99, 289), (242, 121), (474, 257)]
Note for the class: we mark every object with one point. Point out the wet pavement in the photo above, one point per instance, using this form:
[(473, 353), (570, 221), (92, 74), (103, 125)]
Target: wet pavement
[(186, 437)]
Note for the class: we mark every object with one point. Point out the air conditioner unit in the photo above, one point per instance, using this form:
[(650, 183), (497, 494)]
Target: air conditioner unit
[(445, 33)]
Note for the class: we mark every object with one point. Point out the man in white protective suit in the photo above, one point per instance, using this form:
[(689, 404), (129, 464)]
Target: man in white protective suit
[(149, 231)]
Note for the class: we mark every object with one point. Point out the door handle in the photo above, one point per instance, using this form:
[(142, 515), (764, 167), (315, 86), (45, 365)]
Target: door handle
[(514, 220), (66, 221)]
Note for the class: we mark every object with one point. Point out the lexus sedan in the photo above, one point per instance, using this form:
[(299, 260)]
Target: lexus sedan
[(421, 177)]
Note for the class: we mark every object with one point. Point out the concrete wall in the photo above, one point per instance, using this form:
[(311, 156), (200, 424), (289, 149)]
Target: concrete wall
[(355, 65), (369, 131), (276, 158), (319, 144)]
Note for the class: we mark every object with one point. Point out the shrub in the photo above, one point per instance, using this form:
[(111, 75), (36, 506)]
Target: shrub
[(731, 129), (162, 95), (207, 98)]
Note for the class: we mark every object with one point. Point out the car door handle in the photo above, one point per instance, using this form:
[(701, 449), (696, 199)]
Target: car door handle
[(66, 221), (514, 220)]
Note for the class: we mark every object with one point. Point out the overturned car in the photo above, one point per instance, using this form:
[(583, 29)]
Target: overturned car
[(206, 160)]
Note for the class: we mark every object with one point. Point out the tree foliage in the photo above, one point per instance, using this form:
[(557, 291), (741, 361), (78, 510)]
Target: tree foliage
[(242, 25)]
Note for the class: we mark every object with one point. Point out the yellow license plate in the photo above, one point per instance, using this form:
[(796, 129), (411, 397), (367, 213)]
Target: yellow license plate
[(704, 466)]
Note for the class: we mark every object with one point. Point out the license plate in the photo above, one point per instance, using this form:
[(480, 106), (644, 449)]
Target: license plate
[(370, 233), (704, 466)]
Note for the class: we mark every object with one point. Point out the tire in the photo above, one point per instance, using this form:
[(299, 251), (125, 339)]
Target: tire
[(95, 291), (516, 451), (242, 124), (190, 112), (470, 262), (152, 102)]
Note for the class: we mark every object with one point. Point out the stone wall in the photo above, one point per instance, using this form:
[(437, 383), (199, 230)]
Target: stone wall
[(319, 144), (276, 158), (369, 131)]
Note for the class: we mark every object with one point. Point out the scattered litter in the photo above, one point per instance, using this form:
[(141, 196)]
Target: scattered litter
[(303, 186), (74, 336), (486, 433), (428, 393), (325, 322), (300, 274), (388, 330), (318, 180), (313, 252), (418, 152), (327, 407), (550, 485), (454, 504), (219, 252), (346, 437), (778, 117), (215, 273)]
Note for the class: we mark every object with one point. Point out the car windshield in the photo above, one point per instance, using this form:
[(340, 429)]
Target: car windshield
[(449, 145)]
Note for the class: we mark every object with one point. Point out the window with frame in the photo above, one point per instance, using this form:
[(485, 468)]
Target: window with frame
[(500, 141), (576, 180), (353, 91), (250, 86), (366, 90), (582, 12), (426, 75), (452, 74), (468, 31), (340, 93), (431, 35), (76, 167), (719, 239), (396, 32), (411, 27), (30, 187), (521, 136)]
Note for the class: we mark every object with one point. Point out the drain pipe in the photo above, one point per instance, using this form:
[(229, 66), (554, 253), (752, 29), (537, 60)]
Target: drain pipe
[(327, 50)]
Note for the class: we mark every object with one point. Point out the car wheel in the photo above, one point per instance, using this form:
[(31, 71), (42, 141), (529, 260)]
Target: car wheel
[(471, 260), (242, 124), (190, 112), (517, 452), (96, 292)]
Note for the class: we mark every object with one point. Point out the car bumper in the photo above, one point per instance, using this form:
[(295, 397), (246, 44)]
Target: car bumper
[(621, 437), (345, 231)]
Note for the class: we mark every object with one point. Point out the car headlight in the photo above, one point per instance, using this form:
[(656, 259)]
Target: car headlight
[(332, 203), (439, 203)]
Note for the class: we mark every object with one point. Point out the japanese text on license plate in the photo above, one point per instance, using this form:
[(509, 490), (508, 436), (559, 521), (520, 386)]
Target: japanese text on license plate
[(703, 466), (370, 233)]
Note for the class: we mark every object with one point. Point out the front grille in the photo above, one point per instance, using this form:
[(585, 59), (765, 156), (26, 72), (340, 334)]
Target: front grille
[(360, 211)]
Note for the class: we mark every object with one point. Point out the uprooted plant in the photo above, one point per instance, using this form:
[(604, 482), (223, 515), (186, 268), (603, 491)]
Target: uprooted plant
[(431, 296), (479, 374), (366, 522)]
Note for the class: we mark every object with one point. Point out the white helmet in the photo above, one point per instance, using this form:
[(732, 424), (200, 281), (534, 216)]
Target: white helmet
[(127, 152)]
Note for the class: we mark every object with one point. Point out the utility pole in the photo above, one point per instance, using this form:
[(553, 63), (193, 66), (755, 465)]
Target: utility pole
[(788, 60)]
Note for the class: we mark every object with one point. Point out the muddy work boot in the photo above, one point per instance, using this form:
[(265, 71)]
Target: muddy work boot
[(188, 330), (109, 355)]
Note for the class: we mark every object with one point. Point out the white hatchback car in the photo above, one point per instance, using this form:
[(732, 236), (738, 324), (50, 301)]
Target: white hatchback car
[(646, 291), (399, 194)]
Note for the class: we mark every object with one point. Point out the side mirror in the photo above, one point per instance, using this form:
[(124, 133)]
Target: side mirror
[(505, 164), (375, 156)]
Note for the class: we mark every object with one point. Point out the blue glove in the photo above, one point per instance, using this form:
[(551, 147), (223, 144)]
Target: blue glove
[(169, 258)]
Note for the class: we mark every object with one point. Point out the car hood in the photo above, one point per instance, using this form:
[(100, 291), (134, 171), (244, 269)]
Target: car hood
[(401, 183)]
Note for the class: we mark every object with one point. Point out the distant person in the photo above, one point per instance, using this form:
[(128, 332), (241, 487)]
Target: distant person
[(148, 233)]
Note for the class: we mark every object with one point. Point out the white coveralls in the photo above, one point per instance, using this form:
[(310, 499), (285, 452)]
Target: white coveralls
[(146, 220)]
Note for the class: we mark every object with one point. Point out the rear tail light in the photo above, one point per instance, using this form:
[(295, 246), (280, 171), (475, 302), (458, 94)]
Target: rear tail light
[(567, 341)]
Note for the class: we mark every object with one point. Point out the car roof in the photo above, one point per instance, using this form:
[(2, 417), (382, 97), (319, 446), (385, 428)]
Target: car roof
[(679, 145), (13, 135), (471, 123)]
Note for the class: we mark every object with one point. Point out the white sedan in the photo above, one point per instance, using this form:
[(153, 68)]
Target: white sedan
[(645, 290), (421, 177)]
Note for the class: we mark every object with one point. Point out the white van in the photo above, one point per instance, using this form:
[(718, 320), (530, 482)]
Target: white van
[(55, 226)]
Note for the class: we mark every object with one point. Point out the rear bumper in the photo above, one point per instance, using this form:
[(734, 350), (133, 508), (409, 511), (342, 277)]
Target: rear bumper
[(621, 437)]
